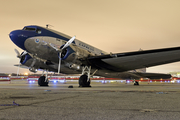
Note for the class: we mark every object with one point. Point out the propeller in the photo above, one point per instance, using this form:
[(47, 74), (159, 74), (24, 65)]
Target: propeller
[(17, 52), (19, 56), (61, 49)]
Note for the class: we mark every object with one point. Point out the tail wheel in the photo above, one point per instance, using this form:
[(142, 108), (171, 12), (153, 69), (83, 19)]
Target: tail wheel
[(136, 83)]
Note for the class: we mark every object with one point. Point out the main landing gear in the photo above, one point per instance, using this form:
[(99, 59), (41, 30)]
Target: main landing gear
[(43, 80), (84, 80)]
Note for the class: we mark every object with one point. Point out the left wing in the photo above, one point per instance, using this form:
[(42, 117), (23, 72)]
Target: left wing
[(21, 66)]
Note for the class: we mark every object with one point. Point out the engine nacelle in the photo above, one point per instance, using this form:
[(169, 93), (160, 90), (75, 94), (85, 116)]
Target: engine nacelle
[(27, 60), (74, 55)]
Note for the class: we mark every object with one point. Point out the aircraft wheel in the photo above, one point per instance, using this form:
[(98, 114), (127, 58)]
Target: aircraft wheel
[(83, 81), (41, 81), (136, 83)]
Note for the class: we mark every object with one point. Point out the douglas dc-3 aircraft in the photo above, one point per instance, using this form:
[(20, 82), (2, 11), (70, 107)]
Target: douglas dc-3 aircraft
[(48, 50)]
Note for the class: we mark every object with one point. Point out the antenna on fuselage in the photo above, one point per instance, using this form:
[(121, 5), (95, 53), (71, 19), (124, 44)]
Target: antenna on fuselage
[(48, 25)]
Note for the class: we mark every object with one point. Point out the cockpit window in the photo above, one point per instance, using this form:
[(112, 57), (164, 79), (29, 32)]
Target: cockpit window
[(38, 31), (29, 29)]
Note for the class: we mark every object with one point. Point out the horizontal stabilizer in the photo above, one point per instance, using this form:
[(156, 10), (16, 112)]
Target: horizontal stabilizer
[(154, 75)]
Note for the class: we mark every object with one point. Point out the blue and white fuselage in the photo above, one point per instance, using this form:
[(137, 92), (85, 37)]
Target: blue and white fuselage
[(35, 40), (47, 49)]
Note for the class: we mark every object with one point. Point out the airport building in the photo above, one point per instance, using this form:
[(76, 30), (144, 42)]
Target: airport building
[(175, 74)]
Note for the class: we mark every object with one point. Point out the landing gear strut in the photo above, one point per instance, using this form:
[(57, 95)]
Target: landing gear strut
[(43, 80), (84, 80)]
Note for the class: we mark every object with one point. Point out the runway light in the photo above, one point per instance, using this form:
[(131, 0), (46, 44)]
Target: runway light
[(61, 81)]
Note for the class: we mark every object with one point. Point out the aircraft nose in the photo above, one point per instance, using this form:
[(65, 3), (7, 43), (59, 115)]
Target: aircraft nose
[(13, 35), (18, 38)]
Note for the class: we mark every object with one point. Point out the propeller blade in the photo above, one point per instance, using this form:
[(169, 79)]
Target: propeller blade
[(17, 52), (59, 66), (69, 42), (24, 53), (18, 69), (54, 47)]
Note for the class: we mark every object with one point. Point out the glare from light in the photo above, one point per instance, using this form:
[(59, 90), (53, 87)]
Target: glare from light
[(78, 67), (26, 73), (61, 81)]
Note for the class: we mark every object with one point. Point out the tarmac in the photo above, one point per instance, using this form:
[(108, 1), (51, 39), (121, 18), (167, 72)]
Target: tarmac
[(110, 101)]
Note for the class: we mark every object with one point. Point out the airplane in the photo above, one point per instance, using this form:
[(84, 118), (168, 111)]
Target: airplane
[(49, 50)]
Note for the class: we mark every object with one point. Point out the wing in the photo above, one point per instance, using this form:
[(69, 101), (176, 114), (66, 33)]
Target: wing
[(21, 66), (121, 62)]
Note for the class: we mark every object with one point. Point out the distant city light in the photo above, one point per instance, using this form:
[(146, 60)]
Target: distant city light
[(26, 73)]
